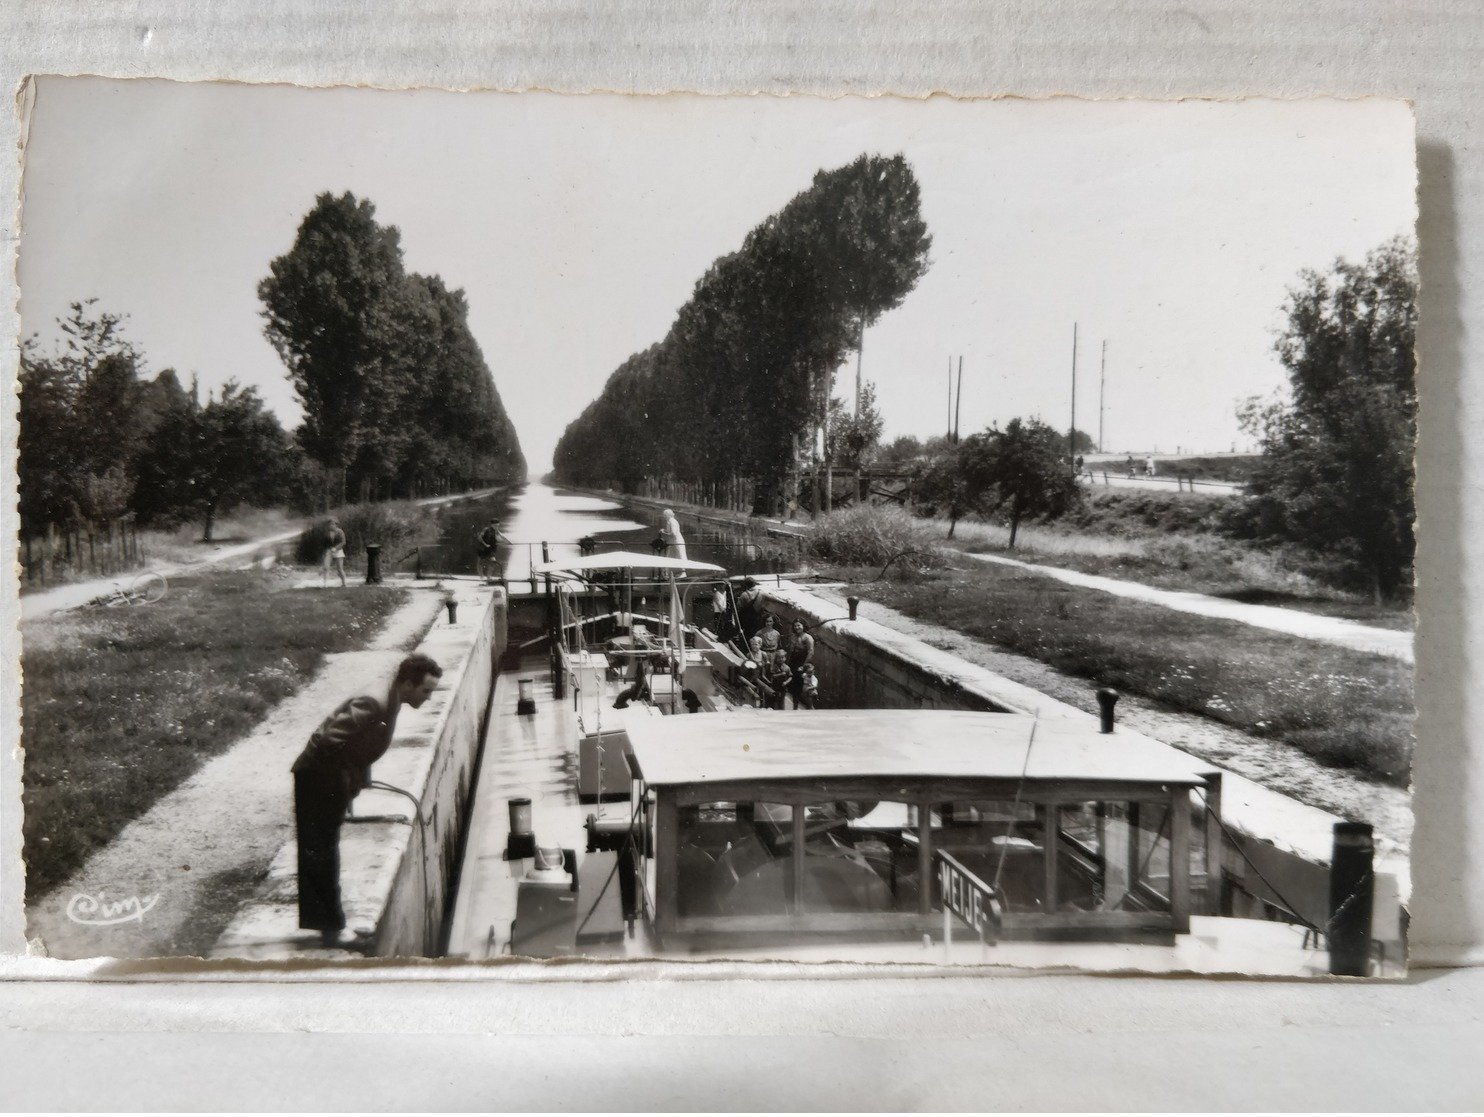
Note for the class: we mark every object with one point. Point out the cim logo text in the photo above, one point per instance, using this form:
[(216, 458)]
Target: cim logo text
[(99, 911)]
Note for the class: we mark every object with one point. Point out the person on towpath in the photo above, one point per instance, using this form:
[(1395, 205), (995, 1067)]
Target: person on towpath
[(335, 552), (489, 544), (333, 769)]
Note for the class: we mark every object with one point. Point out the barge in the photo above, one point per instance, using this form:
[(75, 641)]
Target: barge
[(720, 828)]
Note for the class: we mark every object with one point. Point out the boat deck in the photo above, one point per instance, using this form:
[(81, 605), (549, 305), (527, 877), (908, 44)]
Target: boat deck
[(534, 756), (531, 757)]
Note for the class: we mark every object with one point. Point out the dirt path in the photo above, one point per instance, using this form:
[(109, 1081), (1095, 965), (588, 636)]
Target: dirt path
[(74, 594), (201, 850), (1294, 622), (1272, 764)]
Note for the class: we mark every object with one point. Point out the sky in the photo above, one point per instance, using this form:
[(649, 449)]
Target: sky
[(578, 225)]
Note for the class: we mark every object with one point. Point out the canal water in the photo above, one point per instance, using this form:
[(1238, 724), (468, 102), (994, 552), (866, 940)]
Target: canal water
[(536, 514)]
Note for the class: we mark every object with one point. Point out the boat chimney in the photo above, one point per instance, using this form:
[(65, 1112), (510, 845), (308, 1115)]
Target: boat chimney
[(1107, 699), (854, 603)]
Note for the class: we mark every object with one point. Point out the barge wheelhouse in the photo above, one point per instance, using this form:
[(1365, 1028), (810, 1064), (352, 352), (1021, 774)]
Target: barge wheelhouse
[(887, 825)]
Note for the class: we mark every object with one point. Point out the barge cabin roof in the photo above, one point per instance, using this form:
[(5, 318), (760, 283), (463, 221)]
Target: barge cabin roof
[(882, 744)]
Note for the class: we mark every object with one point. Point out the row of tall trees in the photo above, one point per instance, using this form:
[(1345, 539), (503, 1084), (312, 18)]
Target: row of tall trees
[(101, 439), (397, 398), (744, 376)]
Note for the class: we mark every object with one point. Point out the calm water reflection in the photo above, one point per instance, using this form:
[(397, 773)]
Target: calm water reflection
[(534, 513)]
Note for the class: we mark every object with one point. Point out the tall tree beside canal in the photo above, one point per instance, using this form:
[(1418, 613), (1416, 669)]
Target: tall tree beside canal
[(746, 369), (1336, 471), (330, 304), (396, 395)]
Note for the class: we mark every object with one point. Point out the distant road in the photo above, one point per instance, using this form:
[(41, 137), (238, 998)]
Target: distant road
[(1116, 479)]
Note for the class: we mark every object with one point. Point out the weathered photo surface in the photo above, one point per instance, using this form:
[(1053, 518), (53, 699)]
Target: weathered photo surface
[(500, 526)]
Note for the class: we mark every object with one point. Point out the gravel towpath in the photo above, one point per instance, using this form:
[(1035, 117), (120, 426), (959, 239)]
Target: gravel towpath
[(1294, 622)]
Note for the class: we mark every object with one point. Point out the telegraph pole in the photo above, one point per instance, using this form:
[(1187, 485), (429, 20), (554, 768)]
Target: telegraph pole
[(1102, 384), (948, 428), (1072, 437), (959, 405)]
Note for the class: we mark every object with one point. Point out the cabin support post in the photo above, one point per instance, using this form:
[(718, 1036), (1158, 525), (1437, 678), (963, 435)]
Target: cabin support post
[(1180, 860), (1133, 845), (1215, 875), (666, 860), (1101, 812), (1050, 838), (924, 858), (797, 903)]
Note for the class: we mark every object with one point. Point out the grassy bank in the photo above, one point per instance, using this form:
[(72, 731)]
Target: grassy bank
[(1170, 540), (1345, 708), (121, 705)]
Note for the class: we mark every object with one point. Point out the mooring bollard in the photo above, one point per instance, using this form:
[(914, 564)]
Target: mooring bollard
[(1107, 699), (1351, 884), (373, 564), (453, 610), (854, 603)]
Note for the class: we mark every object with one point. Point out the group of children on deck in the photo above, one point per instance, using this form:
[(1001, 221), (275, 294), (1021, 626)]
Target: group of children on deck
[(784, 666)]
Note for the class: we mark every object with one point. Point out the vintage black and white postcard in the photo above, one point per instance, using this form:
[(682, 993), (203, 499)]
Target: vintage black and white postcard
[(519, 525)]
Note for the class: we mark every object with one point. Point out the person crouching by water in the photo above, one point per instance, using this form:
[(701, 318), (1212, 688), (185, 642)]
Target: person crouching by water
[(638, 688), (331, 771)]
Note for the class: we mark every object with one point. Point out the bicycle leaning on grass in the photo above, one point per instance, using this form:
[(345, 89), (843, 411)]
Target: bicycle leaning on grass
[(146, 589)]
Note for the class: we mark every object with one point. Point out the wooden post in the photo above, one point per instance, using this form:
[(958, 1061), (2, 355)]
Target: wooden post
[(1180, 859), (1214, 871)]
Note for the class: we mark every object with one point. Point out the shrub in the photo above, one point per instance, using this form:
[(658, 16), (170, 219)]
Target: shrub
[(874, 535), (1149, 512), (395, 525)]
